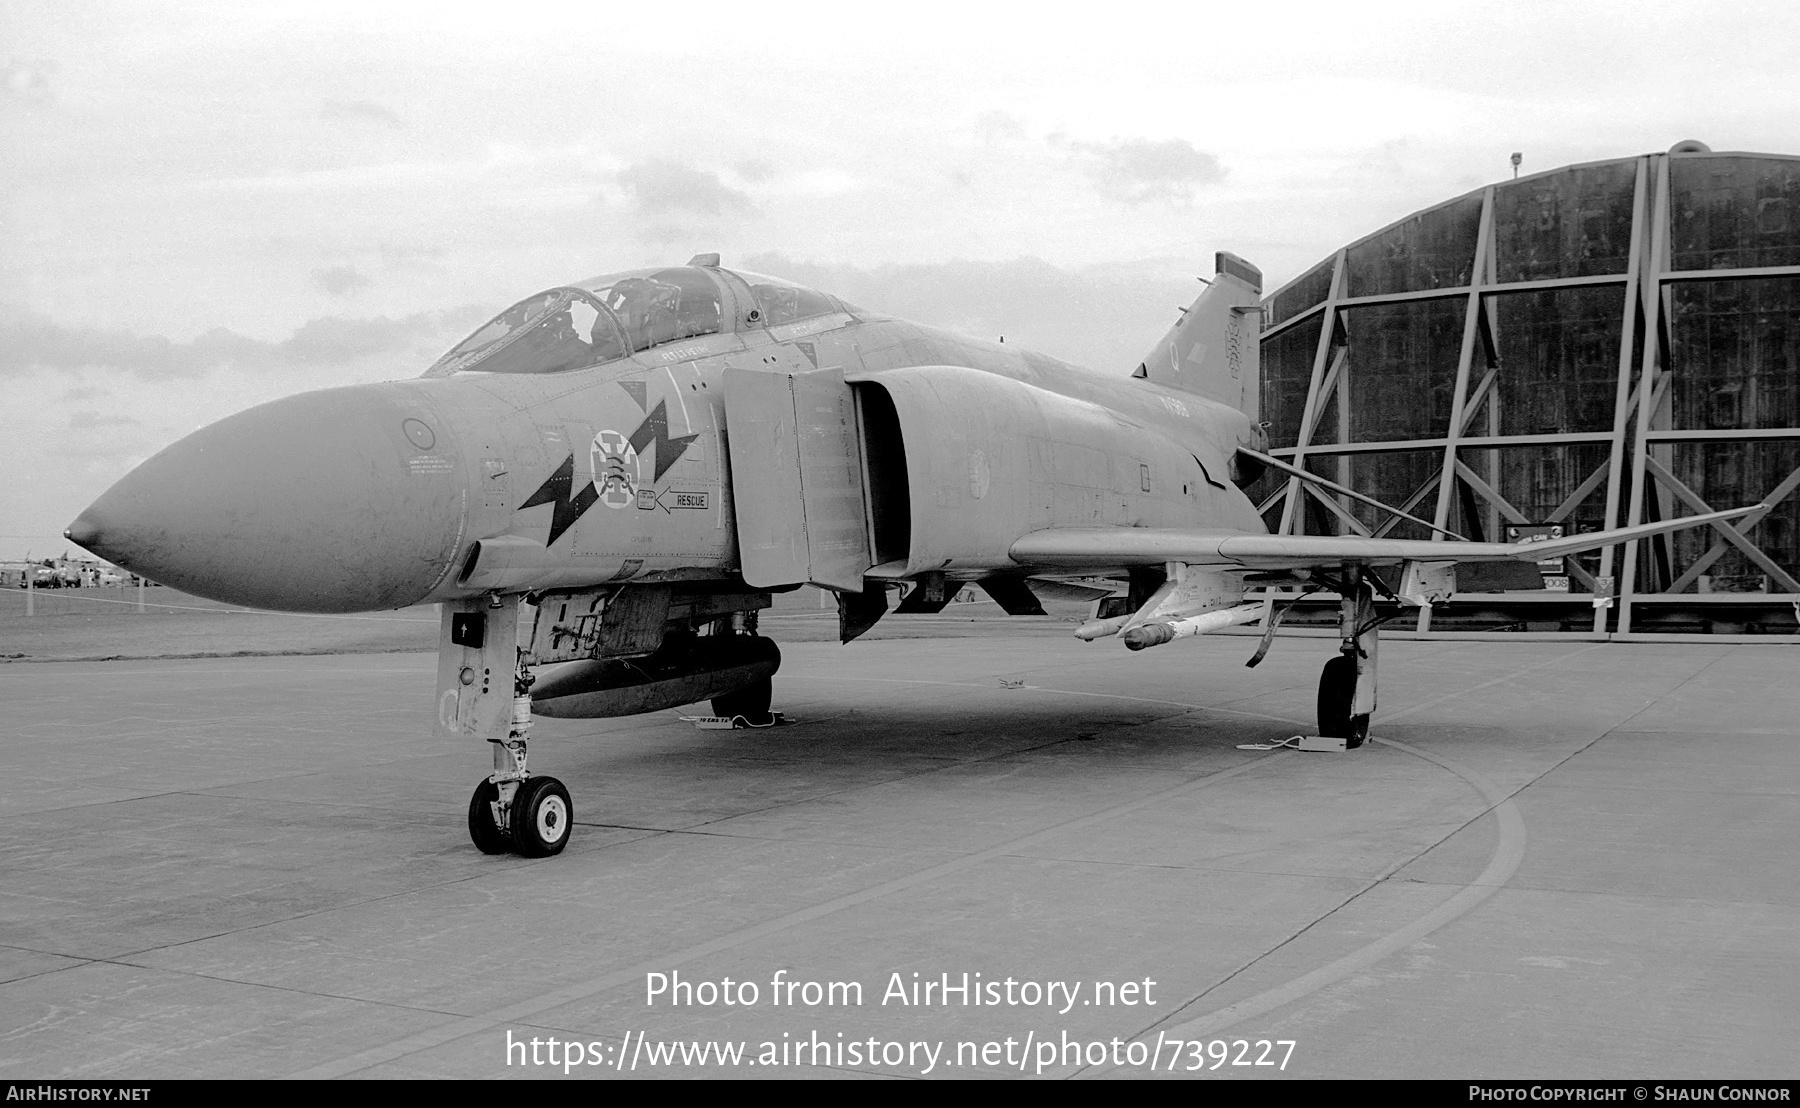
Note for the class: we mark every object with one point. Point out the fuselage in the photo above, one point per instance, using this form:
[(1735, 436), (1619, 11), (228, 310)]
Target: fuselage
[(377, 496)]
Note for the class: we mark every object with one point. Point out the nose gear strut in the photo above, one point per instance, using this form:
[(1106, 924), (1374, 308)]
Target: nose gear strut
[(511, 809)]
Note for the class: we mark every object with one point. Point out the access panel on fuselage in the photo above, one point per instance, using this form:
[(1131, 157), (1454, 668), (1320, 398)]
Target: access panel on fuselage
[(796, 478)]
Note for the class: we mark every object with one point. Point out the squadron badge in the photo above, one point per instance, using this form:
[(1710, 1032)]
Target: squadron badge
[(616, 472)]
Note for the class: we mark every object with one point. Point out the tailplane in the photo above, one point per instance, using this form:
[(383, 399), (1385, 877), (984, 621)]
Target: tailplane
[(1211, 350)]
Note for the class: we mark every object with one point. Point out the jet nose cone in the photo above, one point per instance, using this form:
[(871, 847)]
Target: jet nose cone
[(83, 532), (334, 501)]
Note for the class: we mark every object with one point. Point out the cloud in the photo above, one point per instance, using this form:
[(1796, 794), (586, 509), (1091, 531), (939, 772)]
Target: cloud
[(670, 236), (341, 280), (998, 126), (31, 342), (1105, 317), (755, 170), (26, 82), (821, 182), (336, 340), (396, 255), (1140, 170), (360, 111), (664, 186), (90, 421)]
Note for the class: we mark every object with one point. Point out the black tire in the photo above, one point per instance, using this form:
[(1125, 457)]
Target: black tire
[(487, 838), (751, 701), (542, 817), (1337, 695)]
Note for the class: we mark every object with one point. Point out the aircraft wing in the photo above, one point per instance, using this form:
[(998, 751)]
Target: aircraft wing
[(1101, 547)]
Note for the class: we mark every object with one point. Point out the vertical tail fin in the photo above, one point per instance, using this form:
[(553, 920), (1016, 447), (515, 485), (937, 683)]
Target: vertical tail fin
[(1211, 351)]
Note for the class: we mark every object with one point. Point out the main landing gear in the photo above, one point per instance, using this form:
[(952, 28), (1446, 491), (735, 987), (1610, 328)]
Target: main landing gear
[(1338, 718), (512, 810), (1347, 686)]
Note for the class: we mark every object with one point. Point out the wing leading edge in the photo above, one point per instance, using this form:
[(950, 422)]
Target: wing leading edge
[(1104, 547)]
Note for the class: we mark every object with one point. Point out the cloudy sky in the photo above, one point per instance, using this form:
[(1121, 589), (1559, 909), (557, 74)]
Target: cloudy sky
[(206, 206)]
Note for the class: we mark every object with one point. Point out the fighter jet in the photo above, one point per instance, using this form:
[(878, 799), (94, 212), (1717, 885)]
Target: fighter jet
[(605, 485)]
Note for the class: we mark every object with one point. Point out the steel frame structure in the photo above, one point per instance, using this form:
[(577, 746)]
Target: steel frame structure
[(1639, 479)]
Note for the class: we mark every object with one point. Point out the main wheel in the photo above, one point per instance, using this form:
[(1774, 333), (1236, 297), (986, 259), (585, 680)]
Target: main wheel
[(487, 838), (1337, 696), (541, 817), (751, 701)]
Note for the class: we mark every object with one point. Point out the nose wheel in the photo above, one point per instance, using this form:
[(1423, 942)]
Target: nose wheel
[(535, 822), (484, 827), (541, 816)]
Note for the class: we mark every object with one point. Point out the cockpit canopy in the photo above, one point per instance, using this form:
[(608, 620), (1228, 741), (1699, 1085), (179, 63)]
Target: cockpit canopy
[(607, 318)]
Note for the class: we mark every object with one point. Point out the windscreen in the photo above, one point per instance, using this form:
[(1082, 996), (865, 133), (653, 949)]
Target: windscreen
[(558, 329)]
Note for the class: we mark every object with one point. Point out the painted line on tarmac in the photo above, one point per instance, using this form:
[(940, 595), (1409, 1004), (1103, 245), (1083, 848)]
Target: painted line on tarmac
[(1509, 852), (523, 1010)]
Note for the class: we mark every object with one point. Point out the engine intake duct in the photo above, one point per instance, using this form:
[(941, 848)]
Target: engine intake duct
[(686, 669)]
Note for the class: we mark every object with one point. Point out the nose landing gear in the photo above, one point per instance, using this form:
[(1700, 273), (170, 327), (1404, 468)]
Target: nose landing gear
[(512, 810)]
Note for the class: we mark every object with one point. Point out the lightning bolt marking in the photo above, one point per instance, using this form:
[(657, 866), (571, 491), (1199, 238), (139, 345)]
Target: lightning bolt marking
[(555, 490), (655, 428)]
